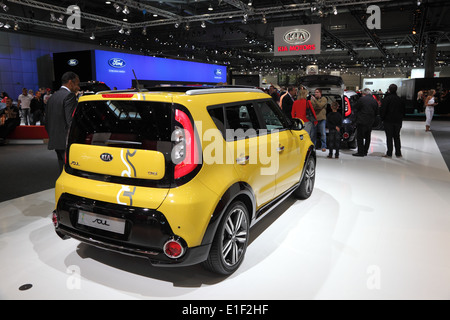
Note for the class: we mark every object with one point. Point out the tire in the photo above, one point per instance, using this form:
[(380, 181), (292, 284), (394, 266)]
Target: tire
[(352, 144), (230, 241), (306, 187)]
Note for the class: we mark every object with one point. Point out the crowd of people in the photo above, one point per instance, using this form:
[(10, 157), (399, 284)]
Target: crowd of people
[(295, 103), (30, 108)]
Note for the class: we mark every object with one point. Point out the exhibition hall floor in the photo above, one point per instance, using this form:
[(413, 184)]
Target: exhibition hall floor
[(374, 228)]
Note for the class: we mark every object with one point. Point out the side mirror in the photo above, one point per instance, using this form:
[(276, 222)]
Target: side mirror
[(297, 124)]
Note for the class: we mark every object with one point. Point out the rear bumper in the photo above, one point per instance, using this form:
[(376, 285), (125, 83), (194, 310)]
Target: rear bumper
[(348, 130), (146, 231)]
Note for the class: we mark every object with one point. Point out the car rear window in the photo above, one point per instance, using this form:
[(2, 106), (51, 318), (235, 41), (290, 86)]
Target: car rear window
[(125, 124)]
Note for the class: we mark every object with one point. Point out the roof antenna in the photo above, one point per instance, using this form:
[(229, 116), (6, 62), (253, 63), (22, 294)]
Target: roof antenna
[(137, 82)]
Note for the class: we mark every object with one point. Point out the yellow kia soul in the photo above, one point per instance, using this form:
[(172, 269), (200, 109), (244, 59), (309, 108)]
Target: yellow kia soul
[(179, 175)]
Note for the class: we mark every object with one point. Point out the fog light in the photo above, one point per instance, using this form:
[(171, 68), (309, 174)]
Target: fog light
[(173, 249), (55, 219)]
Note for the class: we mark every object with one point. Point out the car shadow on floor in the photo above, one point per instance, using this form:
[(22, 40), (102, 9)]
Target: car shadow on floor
[(135, 268)]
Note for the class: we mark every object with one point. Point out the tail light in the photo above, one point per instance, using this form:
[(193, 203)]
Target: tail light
[(185, 149), (173, 249), (348, 107)]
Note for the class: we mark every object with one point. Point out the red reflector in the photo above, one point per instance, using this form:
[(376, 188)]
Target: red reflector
[(346, 135), (117, 95), (55, 219), (173, 249)]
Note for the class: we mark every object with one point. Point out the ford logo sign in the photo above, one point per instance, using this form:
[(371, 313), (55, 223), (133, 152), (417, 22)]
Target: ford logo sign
[(72, 62), (107, 157), (218, 72), (116, 63), (297, 36)]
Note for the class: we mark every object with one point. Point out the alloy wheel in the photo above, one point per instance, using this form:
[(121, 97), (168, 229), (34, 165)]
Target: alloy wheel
[(235, 236)]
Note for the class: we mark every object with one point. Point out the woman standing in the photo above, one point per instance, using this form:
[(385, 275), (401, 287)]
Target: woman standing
[(430, 103), (303, 109)]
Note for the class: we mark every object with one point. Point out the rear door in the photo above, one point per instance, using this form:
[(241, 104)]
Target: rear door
[(247, 148), (286, 160), (123, 142)]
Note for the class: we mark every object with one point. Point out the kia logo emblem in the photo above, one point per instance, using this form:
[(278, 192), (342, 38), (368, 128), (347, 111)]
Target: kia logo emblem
[(106, 157), (297, 36), (116, 63), (72, 62)]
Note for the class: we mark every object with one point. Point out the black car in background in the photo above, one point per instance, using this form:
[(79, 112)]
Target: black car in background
[(92, 87), (333, 89)]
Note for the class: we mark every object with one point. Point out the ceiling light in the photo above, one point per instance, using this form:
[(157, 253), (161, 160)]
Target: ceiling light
[(117, 7), (144, 31), (60, 19), (250, 3), (4, 6), (126, 10), (16, 26), (210, 8), (155, 15), (52, 17), (128, 32), (107, 2), (7, 26), (92, 37), (335, 10), (121, 31), (203, 25), (177, 24), (187, 27), (264, 20), (1, 24)]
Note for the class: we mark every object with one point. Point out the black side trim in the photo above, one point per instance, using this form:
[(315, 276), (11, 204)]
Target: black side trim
[(236, 190)]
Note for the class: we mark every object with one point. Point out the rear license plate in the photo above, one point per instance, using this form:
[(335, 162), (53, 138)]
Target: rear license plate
[(99, 221)]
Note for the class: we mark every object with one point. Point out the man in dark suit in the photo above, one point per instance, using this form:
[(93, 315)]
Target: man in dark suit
[(60, 108), (288, 101), (366, 112), (392, 112)]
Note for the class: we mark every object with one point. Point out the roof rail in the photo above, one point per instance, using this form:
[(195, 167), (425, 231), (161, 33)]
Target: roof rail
[(194, 92), (121, 91)]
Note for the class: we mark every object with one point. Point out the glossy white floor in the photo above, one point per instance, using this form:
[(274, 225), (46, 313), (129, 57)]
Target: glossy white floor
[(374, 228)]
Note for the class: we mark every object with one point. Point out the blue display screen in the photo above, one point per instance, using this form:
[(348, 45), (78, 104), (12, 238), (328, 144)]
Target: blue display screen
[(115, 69)]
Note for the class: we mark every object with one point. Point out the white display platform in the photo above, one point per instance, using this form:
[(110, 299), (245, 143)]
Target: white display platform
[(374, 228)]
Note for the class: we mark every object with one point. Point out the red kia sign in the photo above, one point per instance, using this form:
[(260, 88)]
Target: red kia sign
[(297, 40)]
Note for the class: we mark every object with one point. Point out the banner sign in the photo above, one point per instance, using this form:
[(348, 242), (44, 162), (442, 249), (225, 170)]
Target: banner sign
[(297, 40), (115, 69)]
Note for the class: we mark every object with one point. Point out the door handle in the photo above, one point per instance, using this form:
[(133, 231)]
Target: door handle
[(280, 148), (242, 160)]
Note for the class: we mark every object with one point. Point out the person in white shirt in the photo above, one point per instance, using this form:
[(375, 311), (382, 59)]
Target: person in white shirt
[(47, 95), (24, 102), (430, 103)]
